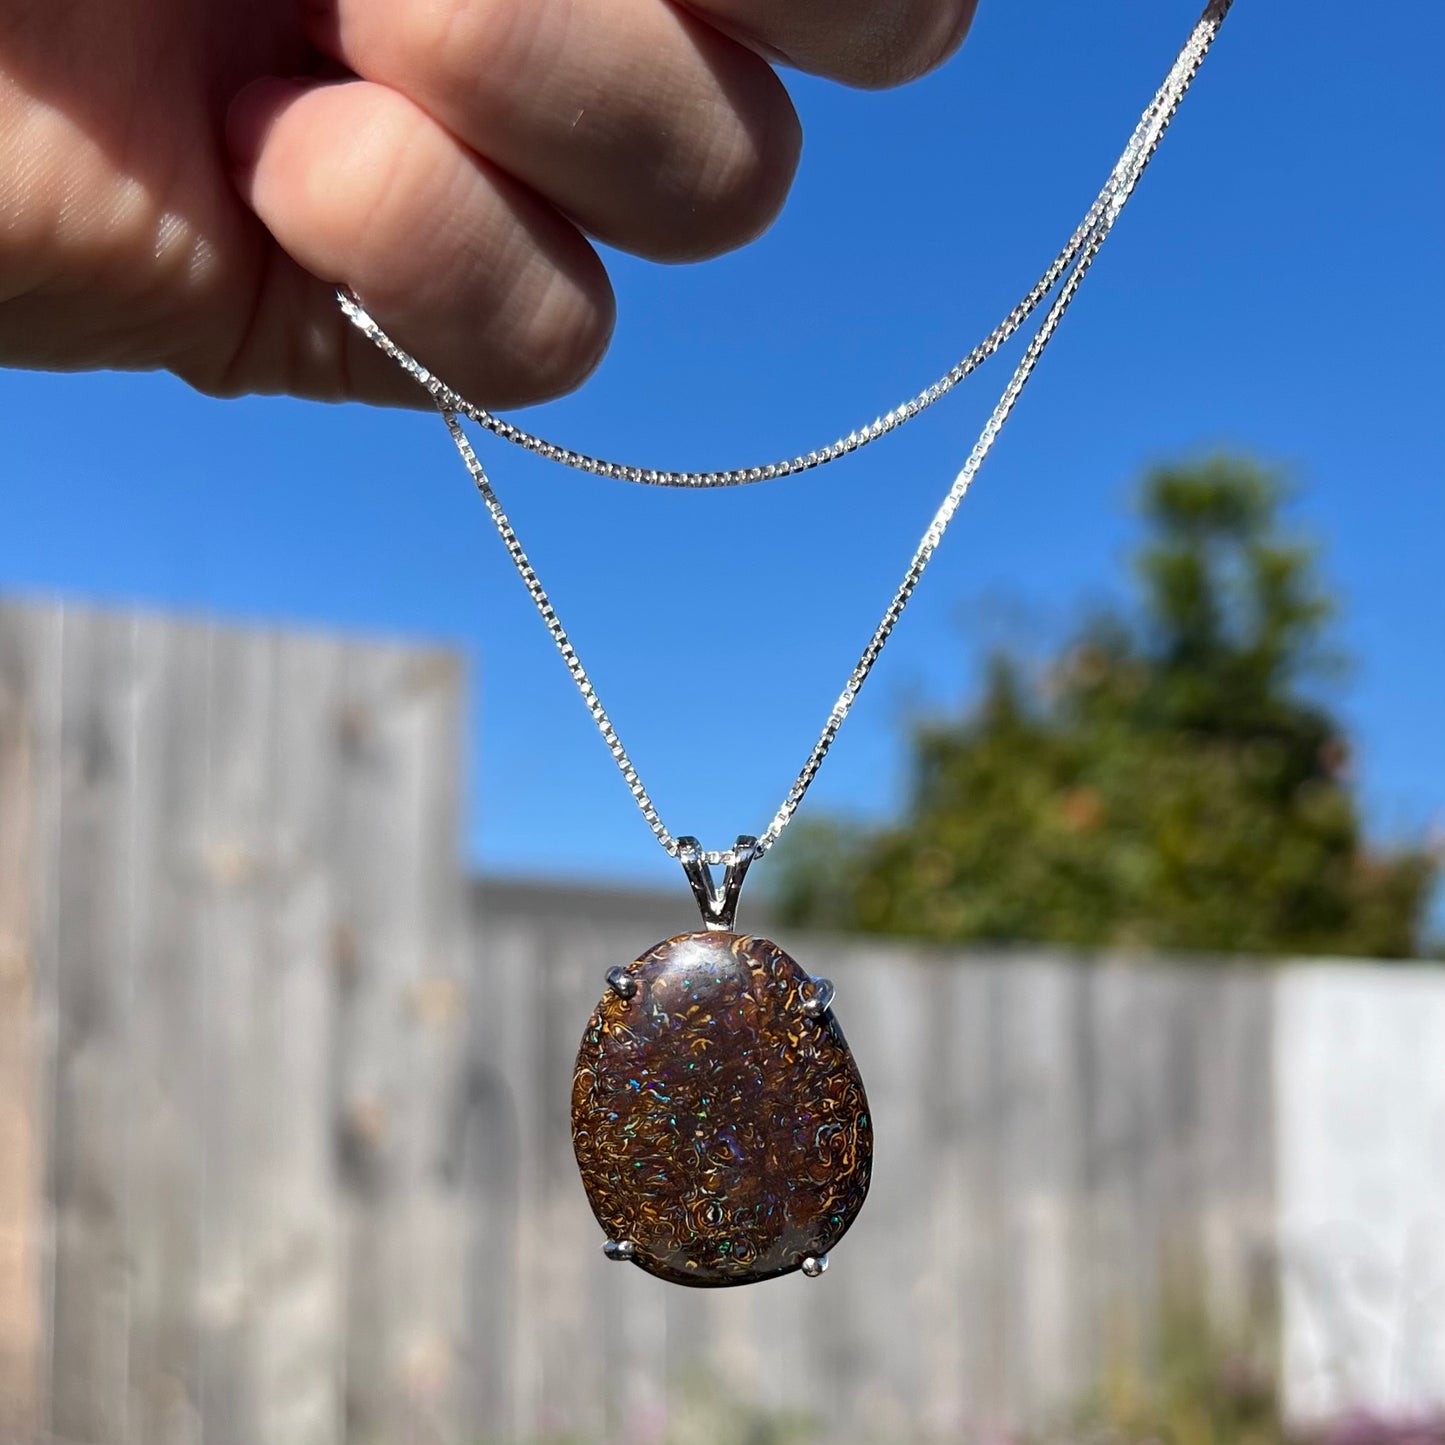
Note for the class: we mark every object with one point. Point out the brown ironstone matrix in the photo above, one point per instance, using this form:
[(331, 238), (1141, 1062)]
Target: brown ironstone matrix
[(718, 1118)]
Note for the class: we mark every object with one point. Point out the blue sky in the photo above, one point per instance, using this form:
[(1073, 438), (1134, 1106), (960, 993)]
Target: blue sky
[(1276, 286)]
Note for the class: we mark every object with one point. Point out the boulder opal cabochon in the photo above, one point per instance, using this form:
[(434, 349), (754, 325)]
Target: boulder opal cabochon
[(719, 1128)]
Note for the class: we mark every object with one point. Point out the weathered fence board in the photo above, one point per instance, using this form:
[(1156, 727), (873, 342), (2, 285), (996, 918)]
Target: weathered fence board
[(300, 1351), (23, 1037), (168, 1036), (90, 1139), (402, 1035)]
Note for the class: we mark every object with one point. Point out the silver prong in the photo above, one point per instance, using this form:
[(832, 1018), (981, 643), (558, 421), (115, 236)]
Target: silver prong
[(823, 995), (621, 982), (814, 1265), (621, 1250)]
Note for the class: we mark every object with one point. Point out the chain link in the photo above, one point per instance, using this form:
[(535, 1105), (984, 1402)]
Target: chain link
[(1071, 267)]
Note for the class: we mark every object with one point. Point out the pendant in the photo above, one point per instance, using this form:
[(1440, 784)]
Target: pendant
[(718, 1117)]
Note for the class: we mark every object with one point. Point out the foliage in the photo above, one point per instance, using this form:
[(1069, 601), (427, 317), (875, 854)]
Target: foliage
[(1213, 1387), (701, 1409), (708, 1413), (1170, 783), (1205, 1388)]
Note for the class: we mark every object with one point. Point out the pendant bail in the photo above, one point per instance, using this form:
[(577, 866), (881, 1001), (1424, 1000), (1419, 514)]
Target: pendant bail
[(718, 905)]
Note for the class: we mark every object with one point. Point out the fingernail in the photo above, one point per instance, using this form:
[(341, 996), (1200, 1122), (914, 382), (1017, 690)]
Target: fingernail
[(250, 117)]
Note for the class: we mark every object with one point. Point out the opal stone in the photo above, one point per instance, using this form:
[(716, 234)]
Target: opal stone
[(718, 1127)]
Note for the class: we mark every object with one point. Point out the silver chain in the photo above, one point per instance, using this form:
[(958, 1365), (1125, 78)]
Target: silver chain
[(1125, 173), (1071, 267)]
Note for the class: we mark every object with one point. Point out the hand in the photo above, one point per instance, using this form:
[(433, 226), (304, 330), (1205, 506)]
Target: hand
[(183, 182)]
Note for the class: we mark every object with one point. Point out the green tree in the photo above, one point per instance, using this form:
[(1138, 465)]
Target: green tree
[(1169, 784)]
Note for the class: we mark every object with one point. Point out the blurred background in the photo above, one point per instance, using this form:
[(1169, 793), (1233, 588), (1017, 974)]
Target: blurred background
[(311, 864)]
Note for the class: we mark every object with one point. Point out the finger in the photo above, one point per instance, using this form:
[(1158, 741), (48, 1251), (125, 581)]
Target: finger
[(473, 274), (871, 43), (655, 132)]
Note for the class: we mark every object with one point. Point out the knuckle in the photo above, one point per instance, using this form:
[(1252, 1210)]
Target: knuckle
[(381, 178), (450, 41), (733, 189), (558, 346), (544, 311), (921, 37)]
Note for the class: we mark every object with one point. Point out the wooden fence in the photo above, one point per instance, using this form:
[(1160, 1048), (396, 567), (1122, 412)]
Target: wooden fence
[(232, 1023), (283, 1103)]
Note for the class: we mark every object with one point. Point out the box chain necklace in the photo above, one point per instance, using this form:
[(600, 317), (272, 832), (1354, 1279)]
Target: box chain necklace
[(718, 1118)]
